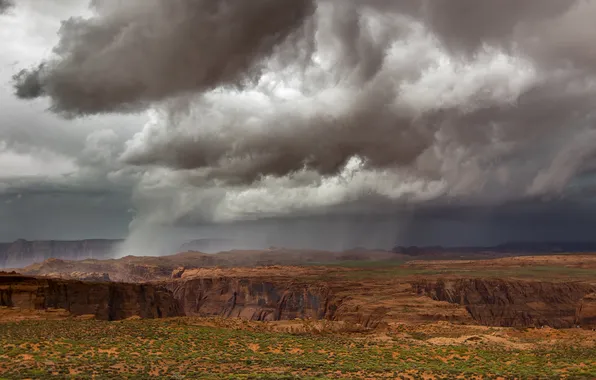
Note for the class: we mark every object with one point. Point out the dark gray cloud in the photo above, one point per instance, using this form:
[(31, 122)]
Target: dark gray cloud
[(5, 5), (514, 96), (467, 25), (134, 53), (28, 83), (389, 107)]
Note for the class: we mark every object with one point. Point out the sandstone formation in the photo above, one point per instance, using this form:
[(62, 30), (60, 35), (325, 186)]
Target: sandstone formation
[(107, 301), (277, 292), (586, 311), (489, 302), (456, 291), (253, 300), (515, 303), (178, 272)]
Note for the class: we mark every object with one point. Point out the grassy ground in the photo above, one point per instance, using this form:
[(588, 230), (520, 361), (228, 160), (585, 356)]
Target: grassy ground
[(185, 349)]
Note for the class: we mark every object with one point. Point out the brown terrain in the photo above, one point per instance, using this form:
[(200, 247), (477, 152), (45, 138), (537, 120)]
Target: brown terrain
[(107, 301), (371, 289), (262, 314)]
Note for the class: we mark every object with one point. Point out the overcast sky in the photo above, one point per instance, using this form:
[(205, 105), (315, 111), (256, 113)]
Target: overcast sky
[(323, 123)]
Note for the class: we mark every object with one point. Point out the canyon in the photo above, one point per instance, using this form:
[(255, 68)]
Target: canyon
[(386, 294)]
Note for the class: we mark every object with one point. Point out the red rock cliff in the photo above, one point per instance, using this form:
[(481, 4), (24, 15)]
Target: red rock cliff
[(252, 299), (513, 303), (107, 301)]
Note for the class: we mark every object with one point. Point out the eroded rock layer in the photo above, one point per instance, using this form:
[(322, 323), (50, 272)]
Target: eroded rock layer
[(270, 294), (516, 303), (106, 301), (255, 300)]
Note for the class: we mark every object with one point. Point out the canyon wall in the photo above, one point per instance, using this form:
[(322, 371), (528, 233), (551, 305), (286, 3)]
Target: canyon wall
[(516, 303), (252, 299), (106, 301), (586, 311), (490, 302)]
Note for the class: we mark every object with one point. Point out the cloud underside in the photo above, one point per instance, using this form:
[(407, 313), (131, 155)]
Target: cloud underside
[(5, 5), (269, 107)]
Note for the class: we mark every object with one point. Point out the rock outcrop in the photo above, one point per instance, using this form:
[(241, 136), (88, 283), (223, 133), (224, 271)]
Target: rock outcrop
[(253, 299), (515, 303), (22, 252), (107, 301), (586, 311), (177, 273)]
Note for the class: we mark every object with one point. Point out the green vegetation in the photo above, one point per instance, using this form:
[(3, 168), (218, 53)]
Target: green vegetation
[(182, 349)]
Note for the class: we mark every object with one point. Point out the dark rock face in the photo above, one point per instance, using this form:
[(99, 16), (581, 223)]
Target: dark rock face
[(492, 302), (107, 301), (586, 311), (511, 303), (252, 299), (22, 252)]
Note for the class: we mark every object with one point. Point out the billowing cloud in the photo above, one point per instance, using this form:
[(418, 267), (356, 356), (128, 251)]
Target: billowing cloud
[(5, 5), (132, 53), (401, 103), (267, 109)]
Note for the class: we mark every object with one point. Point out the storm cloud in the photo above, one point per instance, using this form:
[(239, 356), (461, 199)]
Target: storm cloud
[(399, 102), (5, 5), (135, 52), (268, 108)]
